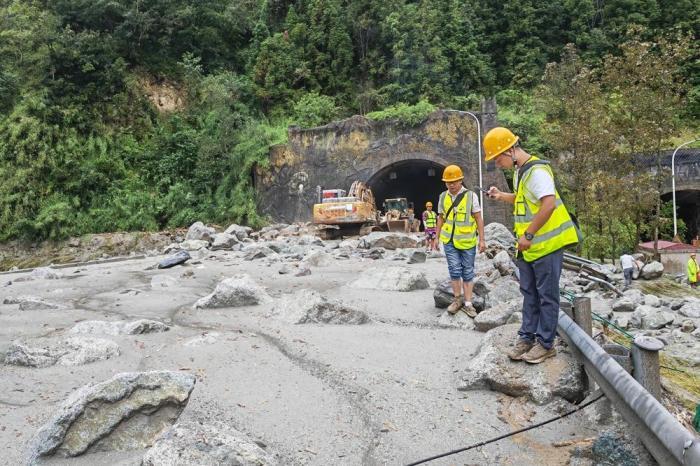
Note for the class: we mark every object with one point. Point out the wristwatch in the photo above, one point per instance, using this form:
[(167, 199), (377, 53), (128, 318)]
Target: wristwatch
[(529, 236)]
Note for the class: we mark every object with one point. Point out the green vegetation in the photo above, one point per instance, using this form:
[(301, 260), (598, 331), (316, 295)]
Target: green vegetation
[(125, 115)]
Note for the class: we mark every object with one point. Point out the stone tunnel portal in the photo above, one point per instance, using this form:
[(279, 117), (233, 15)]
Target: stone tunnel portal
[(417, 180), (688, 204)]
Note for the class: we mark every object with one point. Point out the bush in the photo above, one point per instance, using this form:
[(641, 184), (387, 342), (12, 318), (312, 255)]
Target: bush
[(314, 110), (410, 115)]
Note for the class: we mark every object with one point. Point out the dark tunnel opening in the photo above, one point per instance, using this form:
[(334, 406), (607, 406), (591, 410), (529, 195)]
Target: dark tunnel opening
[(688, 205), (418, 181)]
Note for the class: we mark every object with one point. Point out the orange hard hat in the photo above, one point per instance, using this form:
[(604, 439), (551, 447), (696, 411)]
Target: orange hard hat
[(497, 141), (452, 173)]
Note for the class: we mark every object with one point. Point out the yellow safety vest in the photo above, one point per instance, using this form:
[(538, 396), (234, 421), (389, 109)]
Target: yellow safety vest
[(559, 231), (430, 219), (692, 271), (460, 220)]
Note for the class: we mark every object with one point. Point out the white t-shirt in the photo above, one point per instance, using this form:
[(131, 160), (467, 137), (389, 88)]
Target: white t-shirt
[(539, 184), (626, 261), (476, 207)]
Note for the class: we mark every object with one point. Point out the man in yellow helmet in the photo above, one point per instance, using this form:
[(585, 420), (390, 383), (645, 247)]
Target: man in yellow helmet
[(430, 224), (459, 220), (543, 228)]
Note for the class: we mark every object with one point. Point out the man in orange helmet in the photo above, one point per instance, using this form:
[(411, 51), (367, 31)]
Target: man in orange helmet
[(430, 224), (543, 227), (459, 221)]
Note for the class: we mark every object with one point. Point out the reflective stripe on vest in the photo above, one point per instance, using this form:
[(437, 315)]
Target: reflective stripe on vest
[(430, 219), (557, 232), (460, 220)]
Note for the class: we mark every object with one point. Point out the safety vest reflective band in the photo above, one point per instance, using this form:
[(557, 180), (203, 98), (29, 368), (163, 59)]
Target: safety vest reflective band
[(430, 219), (459, 226), (557, 232)]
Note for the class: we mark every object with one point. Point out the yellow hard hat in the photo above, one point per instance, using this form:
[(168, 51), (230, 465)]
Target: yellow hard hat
[(497, 141), (452, 173), (428, 204)]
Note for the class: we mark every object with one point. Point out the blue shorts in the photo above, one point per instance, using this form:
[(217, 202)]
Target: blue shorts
[(460, 262)]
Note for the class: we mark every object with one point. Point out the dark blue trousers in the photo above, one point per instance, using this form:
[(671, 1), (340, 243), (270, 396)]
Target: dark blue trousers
[(539, 284)]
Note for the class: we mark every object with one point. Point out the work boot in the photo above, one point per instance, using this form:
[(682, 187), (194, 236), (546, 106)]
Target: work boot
[(522, 347), (456, 305), (469, 309), (538, 354)]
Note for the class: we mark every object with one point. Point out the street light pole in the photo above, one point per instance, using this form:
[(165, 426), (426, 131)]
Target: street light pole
[(478, 134), (673, 185)]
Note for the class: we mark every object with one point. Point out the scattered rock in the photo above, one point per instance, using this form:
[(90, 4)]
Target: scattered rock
[(257, 252), (647, 317), (417, 257), (302, 271), (687, 326), (391, 279), (503, 263), (374, 253), (207, 338), (223, 241), (286, 268), (625, 304), (691, 309), (239, 231), (652, 270), (239, 290), (103, 327), (308, 306), (318, 259), (651, 300), (71, 351), (200, 232), (443, 295), (176, 259), (163, 281), (212, 444), (126, 412), (503, 290), (44, 273), (491, 368), (194, 245), (31, 303), (309, 240), (459, 320), (499, 233), (495, 316), (389, 240), (349, 243)]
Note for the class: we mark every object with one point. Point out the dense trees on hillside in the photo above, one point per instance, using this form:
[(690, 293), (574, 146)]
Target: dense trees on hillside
[(82, 149)]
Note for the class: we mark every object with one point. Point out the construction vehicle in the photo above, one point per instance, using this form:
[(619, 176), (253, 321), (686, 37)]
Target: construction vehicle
[(341, 215), (399, 216)]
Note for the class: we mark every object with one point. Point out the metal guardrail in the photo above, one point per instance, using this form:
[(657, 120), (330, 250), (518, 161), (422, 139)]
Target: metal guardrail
[(666, 439)]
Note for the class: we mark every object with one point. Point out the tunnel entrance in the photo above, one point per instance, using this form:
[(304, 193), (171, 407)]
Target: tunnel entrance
[(418, 181), (688, 203)]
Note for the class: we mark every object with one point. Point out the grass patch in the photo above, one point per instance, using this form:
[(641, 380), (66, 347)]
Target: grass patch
[(667, 287)]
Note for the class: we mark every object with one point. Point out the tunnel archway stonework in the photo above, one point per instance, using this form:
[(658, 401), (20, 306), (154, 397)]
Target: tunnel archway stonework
[(395, 160)]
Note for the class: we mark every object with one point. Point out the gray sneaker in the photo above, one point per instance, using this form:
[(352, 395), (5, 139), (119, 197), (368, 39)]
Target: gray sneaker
[(538, 354), (521, 347), (456, 305)]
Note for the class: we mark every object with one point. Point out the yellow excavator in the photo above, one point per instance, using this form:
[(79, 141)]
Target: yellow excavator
[(346, 215)]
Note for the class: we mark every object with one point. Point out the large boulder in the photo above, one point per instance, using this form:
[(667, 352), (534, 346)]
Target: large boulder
[(212, 444), (239, 231), (690, 309), (201, 232), (71, 351), (499, 233), (652, 270), (239, 290), (126, 412), (625, 304), (560, 376), (178, 258), (459, 320), (386, 240), (503, 263), (308, 306), (255, 251), (417, 257), (496, 316), (103, 327), (443, 296), (391, 279), (651, 318), (223, 241), (503, 290)]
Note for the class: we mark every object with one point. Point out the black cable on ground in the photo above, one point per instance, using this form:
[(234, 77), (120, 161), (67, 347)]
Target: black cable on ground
[(510, 434)]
